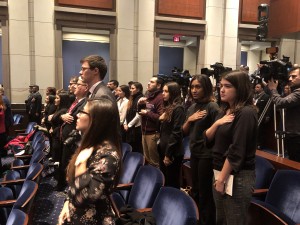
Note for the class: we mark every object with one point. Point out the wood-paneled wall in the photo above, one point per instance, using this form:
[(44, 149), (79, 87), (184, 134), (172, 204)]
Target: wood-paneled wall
[(99, 4), (249, 10), (181, 8), (284, 17)]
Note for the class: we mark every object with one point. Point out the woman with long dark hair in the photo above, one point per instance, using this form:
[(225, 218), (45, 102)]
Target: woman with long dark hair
[(132, 124), (3, 135), (123, 94), (233, 135), (62, 103), (94, 169), (170, 147), (50, 109), (200, 116)]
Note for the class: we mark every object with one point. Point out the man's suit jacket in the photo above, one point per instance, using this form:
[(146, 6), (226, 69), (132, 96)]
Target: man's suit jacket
[(261, 104), (102, 90), (68, 127), (36, 106)]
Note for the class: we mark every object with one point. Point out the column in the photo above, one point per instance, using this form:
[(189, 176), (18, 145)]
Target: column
[(19, 52), (145, 40), (125, 41)]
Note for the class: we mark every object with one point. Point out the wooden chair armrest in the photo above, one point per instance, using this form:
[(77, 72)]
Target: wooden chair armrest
[(20, 130), (144, 210), (258, 192), (20, 167), (124, 186), (7, 203), (21, 134), (19, 181), (22, 156), (260, 215)]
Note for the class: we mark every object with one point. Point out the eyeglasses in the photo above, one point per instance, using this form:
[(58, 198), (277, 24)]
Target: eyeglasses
[(81, 84), (83, 112), (71, 83), (84, 68)]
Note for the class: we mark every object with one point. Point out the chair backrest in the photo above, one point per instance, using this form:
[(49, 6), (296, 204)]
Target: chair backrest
[(5, 194), (17, 119), (26, 196), (131, 164), (13, 175), (17, 217), (146, 186), (30, 127), (34, 172), (125, 149), (264, 171), (19, 162), (174, 207), (284, 194), (37, 157)]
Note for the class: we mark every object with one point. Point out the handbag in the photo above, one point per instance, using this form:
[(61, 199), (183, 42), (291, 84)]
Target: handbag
[(130, 216)]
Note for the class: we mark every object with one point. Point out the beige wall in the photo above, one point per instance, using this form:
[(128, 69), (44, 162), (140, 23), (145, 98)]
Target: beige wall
[(32, 43), (31, 46)]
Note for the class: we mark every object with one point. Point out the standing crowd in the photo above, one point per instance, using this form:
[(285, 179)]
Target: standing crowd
[(88, 123)]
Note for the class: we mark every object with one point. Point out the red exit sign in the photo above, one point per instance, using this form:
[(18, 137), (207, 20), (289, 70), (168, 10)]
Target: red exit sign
[(176, 38)]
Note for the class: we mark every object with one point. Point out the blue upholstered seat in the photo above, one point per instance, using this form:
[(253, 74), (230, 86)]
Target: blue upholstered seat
[(282, 200), (174, 207), (17, 217), (125, 149), (131, 164), (5, 194), (145, 188)]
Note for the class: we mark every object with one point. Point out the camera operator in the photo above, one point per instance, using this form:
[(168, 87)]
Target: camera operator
[(292, 105)]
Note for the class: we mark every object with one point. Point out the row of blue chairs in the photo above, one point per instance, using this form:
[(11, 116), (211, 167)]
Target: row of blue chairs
[(280, 204), (20, 184), (142, 186)]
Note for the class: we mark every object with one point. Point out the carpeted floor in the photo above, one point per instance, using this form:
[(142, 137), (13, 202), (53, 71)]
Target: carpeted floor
[(47, 203)]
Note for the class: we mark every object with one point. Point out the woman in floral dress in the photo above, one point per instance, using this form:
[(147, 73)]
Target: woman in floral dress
[(94, 169)]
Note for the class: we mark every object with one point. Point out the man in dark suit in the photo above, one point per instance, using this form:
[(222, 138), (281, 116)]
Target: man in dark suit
[(35, 105), (260, 100), (93, 71), (70, 118)]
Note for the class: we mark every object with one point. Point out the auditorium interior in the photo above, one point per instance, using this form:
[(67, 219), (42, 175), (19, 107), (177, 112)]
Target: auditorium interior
[(43, 41)]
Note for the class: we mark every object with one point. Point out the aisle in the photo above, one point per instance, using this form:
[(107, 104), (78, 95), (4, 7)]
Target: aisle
[(48, 203)]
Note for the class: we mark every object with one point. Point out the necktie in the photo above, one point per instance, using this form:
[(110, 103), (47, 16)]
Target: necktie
[(72, 106)]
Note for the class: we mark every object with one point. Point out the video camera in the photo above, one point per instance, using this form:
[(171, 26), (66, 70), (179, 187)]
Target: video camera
[(180, 77), (217, 70), (275, 68), (73, 137)]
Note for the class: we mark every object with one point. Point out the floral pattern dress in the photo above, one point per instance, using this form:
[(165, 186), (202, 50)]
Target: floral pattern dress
[(88, 196)]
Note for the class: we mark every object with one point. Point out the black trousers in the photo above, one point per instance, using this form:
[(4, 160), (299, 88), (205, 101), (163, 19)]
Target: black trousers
[(292, 145), (171, 172), (202, 177), (66, 155)]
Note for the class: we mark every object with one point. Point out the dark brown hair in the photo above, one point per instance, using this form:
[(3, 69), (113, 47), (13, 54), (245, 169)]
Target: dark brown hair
[(206, 85), (244, 93), (99, 129), (174, 100), (96, 61)]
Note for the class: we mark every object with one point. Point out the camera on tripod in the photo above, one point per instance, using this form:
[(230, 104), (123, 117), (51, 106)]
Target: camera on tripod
[(217, 70), (179, 76), (275, 68)]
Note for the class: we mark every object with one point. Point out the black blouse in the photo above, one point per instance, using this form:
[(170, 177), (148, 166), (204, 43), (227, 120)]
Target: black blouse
[(236, 141)]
